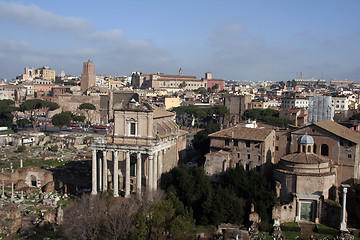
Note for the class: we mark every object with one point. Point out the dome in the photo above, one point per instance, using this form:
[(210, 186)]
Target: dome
[(305, 139)]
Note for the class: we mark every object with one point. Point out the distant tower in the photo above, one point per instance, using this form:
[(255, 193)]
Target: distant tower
[(88, 76), (180, 72), (208, 75)]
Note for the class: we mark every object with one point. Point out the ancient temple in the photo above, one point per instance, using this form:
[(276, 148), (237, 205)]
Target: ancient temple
[(304, 180), (144, 143)]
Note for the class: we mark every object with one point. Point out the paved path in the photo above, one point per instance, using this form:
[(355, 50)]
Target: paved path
[(307, 230)]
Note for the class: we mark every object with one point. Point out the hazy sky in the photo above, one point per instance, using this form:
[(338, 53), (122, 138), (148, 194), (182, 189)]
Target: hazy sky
[(252, 40)]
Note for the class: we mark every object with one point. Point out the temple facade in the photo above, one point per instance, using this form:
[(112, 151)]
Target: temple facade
[(144, 143)]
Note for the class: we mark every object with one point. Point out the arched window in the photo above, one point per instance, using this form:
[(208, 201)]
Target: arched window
[(304, 149), (224, 166), (309, 148), (325, 150)]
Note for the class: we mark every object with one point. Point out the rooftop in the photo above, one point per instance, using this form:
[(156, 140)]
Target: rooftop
[(243, 133), (339, 130)]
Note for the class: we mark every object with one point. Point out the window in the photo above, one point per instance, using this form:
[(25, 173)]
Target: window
[(236, 143), (238, 155), (132, 128), (324, 150), (276, 148), (349, 155), (247, 144), (277, 137), (248, 156), (227, 142)]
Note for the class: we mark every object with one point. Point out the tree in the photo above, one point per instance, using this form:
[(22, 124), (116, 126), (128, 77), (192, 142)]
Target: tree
[(201, 139), (161, 216), (181, 228), (62, 119), (84, 218), (32, 106), (139, 227), (119, 219), (215, 87), (192, 187), (87, 107), (202, 91), (49, 106), (22, 122), (6, 116), (78, 118)]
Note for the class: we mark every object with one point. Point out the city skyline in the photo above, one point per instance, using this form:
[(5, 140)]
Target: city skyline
[(257, 41)]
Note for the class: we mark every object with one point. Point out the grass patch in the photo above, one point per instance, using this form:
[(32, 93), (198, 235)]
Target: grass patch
[(326, 230), (291, 234), (53, 162), (290, 227), (206, 228)]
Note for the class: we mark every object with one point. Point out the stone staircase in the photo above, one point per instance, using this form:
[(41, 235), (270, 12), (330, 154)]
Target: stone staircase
[(308, 230)]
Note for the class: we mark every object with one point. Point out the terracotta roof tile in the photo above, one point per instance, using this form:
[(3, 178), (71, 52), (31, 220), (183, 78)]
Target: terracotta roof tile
[(160, 113), (243, 133), (339, 130), (309, 158)]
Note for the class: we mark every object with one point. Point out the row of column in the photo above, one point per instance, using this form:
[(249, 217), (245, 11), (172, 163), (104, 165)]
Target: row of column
[(12, 191), (155, 163)]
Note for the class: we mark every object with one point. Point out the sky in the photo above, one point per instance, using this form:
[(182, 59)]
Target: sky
[(256, 40)]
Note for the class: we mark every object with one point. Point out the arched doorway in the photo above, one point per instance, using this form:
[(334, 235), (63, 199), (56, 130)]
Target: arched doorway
[(33, 181)]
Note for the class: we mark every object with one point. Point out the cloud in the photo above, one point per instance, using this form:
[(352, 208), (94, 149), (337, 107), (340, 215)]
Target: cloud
[(13, 46), (35, 16), (109, 36), (65, 42), (305, 35), (235, 46)]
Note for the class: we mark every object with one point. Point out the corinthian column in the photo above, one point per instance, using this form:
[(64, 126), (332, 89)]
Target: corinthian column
[(343, 226), (100, 173), (155, 176), (105, 180), (94, 173), (138, 174), (151, 173), (160, 160), (116, 176), (127, 175)]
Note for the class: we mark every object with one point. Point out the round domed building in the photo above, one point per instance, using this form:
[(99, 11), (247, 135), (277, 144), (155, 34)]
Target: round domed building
[(305, 180)]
